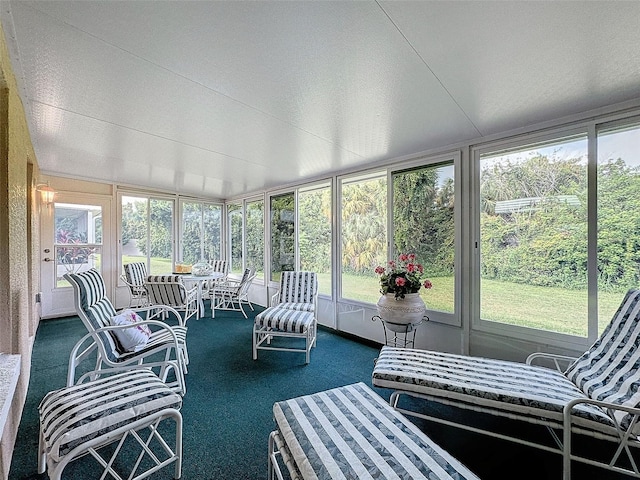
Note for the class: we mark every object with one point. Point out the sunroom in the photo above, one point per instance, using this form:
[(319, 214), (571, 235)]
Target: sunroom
[(498, 142)]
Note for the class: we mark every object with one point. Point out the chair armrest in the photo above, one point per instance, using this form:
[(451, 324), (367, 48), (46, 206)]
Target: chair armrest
[(274, 299), (557, 360), (114, 370), (156, 310)]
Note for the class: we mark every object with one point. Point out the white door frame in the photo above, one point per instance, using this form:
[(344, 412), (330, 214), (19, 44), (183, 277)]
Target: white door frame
[(58, 301)]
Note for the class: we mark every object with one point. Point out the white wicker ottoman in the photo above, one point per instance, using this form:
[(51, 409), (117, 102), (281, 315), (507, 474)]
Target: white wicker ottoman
[(352, 433)]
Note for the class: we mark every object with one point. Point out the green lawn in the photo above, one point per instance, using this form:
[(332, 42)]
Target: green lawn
[(544, 308)]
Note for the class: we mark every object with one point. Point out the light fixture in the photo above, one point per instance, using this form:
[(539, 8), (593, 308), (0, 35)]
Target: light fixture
[(47, 194)]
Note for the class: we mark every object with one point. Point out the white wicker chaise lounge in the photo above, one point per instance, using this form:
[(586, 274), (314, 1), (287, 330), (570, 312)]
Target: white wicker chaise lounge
[(598, 395)]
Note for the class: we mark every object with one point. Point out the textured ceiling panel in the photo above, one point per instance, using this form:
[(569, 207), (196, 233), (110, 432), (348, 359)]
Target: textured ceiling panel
[(512, 64), (222, 98)]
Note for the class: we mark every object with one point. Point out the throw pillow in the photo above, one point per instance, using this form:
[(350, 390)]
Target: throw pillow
[(131, 339)]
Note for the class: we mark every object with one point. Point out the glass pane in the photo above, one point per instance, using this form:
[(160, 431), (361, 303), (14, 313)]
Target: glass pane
[(282, 235), (212, 232), (363, 236), (134, 229), (234, 213), (255, 237), (78, 239), (423, 224), (533, 230), (160, 236), (618, 218), (314, 238), (191, 232)]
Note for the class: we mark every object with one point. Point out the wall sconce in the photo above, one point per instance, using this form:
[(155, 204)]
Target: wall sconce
[(47, 194)]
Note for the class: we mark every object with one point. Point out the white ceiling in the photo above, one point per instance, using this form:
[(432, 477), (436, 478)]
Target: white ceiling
[(221, 98)]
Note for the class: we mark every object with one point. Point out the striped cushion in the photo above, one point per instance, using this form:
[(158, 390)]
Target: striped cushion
[(295, 321), (166, 290), (350, 432), (303, 307), (72, 416), (298, 287), (135, 273), (97, 308), (610, 370), (503, 385)]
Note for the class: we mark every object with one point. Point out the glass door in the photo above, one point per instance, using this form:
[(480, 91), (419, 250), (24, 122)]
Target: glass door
[(74, 239)]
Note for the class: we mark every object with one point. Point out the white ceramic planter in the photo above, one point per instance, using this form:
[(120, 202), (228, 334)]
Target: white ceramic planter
[(398, 314)]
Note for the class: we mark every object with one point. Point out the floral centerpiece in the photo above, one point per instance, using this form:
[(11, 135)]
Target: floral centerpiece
[(402, 277)]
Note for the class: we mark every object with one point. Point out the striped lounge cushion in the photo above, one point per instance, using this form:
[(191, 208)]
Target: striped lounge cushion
[(72, 416), (284, 319), (351, 432), (610, 370), (498, 384)]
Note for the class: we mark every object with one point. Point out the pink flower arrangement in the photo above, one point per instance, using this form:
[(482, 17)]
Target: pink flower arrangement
[(402, 277)]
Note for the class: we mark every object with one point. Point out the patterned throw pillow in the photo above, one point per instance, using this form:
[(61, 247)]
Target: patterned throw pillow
[(131, 339)]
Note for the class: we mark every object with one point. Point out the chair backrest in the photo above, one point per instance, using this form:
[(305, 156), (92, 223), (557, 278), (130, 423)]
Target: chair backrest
[(220, 266), (94, 308), (166, 290), (298, 287), (245, 282), (610, 369), (135, 273)]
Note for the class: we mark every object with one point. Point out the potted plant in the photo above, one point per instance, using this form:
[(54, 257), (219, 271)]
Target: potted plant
[(400, 305)]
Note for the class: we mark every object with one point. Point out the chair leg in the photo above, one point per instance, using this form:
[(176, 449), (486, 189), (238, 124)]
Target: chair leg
[(255, 342)]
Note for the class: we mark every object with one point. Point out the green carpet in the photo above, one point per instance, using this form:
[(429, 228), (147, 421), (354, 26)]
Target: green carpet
[(227, 410)]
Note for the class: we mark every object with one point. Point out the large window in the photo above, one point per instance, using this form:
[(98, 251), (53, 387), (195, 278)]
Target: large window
[(255, 236), (147, 232), (314, 237), (618, 217), (424, 224), (283, 232), (200, 233), (363, 235), (533, 236), (235, 236)]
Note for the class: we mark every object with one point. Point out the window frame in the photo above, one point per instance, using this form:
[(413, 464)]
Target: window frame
[(454, 158), (148, 196), (528, 334)]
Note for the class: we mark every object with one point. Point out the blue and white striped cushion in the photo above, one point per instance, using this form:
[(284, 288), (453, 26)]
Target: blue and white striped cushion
[(610, 370), (166, 290), (97, 308), (498, 384), (298, 287), (135, 273), (303, 307), (284, 319), (72, 416), (350, 432)]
